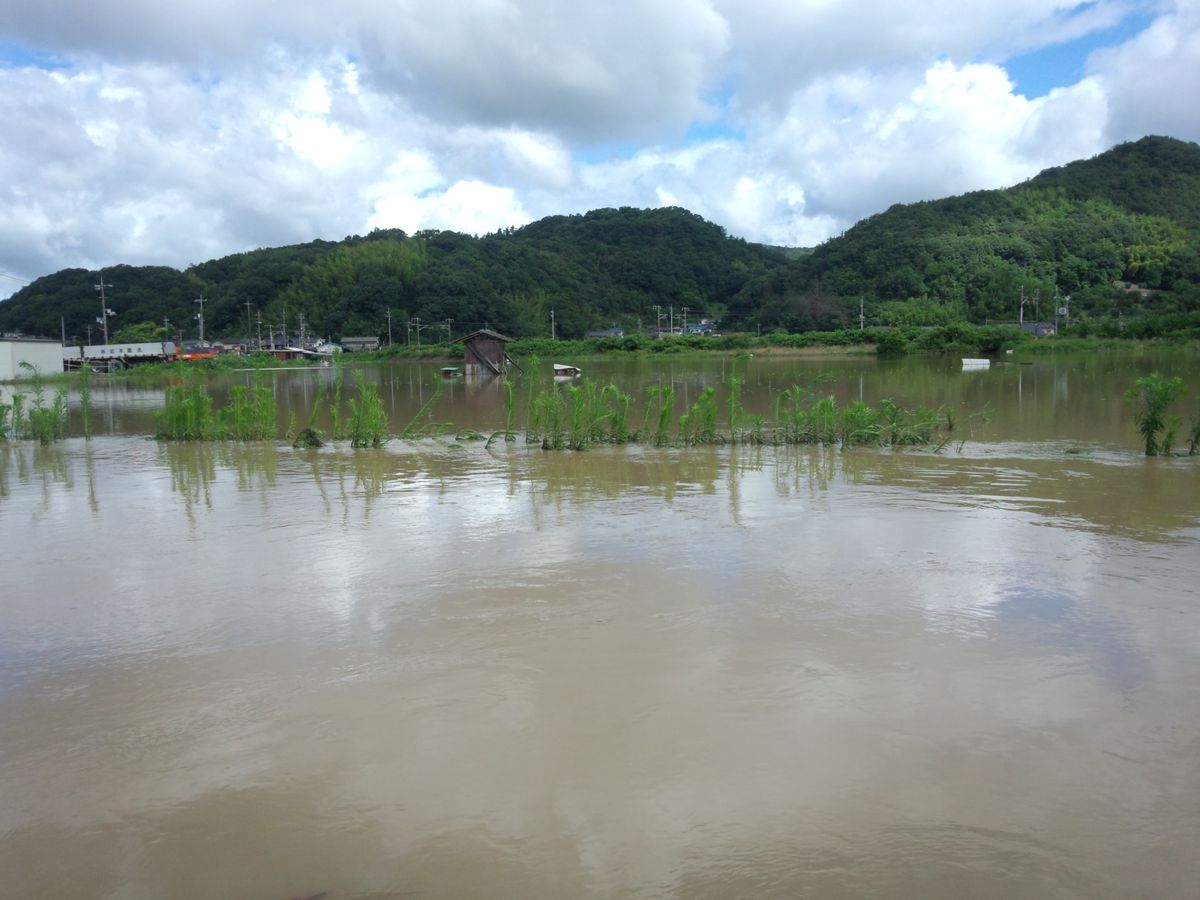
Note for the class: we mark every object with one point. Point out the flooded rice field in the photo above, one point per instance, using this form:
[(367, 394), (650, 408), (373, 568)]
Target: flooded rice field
[(439, 670)]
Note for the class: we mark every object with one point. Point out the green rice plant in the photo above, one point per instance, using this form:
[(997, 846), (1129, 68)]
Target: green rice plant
[(250, 415), (422, 424), (650, 395), (187, 413), (548, 419), (792, 425), (902, 427), (733, 404), (17, 425), (335, 404), (1169, 432), (580, 424), (368, 420), (509, 414), (823, 420), (509, 410), (46, 422), (708, 417), (981, 415), (860, 425), (531, 385), (85, 397), (1151, 396), (588, 414), (699, 424), (756, 425), (617, 402), (665, 395), (308, 437)]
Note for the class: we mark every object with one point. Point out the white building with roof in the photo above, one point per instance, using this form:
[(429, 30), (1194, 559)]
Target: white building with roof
[(44, 355)]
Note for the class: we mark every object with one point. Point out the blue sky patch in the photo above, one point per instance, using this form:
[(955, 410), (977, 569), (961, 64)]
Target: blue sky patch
[(606, 152), (716, 130), (1036, 73), (15, 56)]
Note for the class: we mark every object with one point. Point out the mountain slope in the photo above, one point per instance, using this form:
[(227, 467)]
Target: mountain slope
[(1119, 233), (1129, 215), (607, 267)]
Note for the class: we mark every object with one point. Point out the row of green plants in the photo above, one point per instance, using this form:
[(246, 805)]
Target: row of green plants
[(576, 416), (563, 416), (251, 413), (188, 413), (36, 416)]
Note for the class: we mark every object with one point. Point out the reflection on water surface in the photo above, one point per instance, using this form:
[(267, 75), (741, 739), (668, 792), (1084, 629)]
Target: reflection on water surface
[(438, 670)]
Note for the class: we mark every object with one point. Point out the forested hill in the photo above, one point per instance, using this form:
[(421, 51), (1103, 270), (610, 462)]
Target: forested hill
[(608, 267), (1119, 233)]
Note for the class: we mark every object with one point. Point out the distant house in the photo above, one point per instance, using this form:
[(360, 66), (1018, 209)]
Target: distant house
[(354, 343), (1038, 329), (484, 353), (607, 332)]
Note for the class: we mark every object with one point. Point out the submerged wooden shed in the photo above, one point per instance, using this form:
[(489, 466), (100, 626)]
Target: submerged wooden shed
[(484, 353)]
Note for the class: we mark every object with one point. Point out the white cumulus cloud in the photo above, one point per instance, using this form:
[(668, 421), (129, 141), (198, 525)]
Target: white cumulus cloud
[(150, 133)]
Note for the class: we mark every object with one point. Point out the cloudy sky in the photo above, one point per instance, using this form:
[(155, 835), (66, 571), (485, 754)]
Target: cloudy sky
[(145, 132)]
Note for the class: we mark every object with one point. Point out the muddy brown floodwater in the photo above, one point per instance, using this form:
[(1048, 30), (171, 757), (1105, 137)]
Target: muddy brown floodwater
[(434, 670)]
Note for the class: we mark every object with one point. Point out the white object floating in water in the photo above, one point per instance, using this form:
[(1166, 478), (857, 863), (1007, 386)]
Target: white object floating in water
[(970, 363)]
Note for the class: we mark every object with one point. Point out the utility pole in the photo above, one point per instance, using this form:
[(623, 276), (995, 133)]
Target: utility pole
[(260, 330), (552, 335), (1021, 311), (1064, 310), (389, 318), (658, 317), (301, 331), (449, 333), (671, 320), (686, 310), (249, 325), (415, 325), (200, 315), (105, 312), (62, 324), (861, 313)]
